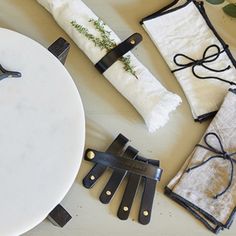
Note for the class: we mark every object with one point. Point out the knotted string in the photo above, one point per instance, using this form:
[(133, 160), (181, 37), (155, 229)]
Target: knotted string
[(202, 62), (220, 154)]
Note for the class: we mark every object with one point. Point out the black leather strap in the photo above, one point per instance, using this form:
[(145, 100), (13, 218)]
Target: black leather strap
[(145, 209), (128, 197), (115, 148), (116, 53), (118, 162), (116, 178), (60, 49)]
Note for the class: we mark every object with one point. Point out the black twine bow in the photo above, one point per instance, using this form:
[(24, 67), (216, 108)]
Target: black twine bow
[(220, 154), (202, 62)]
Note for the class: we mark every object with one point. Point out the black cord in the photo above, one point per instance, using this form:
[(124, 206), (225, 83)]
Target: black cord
[(221, 154), (202, 62)]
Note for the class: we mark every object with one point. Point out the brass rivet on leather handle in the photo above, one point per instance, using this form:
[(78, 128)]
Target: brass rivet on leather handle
[(132, 41), (92, 177), (145, 213), (125, 208), (90, 155)]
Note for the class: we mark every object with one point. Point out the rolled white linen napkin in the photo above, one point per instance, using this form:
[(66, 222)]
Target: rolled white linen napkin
[(183, 33), (206, 183), (142, 89)]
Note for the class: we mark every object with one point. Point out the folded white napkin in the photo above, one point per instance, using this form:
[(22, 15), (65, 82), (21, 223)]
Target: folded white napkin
[(186, 30), (145, 92), (204, 185)]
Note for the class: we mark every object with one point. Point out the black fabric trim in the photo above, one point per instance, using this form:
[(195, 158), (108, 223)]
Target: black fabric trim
[(232, 90), (188, 205), (231, 218), (201, 9), (206, 116), (161, 11), (210, 115), (174, 197)]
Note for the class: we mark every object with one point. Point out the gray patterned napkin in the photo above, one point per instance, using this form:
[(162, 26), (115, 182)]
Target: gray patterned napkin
[(206, 184)]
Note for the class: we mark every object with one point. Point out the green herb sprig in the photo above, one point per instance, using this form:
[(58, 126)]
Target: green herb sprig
[(104, 41)]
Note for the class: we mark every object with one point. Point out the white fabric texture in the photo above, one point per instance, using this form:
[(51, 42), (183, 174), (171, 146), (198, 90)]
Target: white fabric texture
[(146, 93), (186, 31), (200, 185)]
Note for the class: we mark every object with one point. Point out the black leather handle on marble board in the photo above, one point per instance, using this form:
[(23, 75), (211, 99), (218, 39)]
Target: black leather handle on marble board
[(60, 49)]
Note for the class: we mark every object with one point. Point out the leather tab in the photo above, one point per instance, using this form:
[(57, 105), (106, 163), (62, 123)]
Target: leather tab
[(116, 53), (117, 162), (60, 49), (116, 178), (145, 209), (95, 173), (59, 216), (128, 197)]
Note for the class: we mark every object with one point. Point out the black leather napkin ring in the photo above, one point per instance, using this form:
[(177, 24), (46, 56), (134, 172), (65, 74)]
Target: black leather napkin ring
[(117, 52)]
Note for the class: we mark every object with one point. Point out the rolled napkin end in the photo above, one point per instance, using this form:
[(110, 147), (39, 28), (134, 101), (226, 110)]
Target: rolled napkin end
[(160, 113)]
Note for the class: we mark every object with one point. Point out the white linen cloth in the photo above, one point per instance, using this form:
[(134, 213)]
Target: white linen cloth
[(185, 31), (195, 190), (146, 93)]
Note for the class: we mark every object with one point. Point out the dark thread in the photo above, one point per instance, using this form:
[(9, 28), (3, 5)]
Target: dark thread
[(221, 154)]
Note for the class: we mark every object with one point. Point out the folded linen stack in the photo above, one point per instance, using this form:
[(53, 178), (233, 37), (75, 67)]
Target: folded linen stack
[(195, 53), (206, 183), (132, 80)]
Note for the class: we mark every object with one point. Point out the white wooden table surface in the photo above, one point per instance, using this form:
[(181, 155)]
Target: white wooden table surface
[(108, 114)]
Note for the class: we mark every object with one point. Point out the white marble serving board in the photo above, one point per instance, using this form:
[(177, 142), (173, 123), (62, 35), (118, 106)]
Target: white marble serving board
[(42, 133)]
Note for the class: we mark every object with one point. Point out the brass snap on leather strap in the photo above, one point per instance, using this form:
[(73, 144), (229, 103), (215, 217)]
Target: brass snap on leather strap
[(95, 173)]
